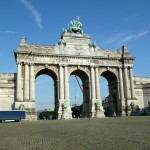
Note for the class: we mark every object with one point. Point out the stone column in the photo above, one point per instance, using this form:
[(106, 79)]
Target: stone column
[(61, 82), (19, 88), (57, 84), (126, 82), (92, 83), (131, 83), (32, 83), (93, 94), (66, 84), (99, 113), (121, 87), (97, 83), (26, 82)]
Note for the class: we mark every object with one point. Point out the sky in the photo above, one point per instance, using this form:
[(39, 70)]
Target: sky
[(110, 23)]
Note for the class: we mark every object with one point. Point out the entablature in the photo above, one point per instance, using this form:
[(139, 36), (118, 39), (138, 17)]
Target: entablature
[(73, 60)]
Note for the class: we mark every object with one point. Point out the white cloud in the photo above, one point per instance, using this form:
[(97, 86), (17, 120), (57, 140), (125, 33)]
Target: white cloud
[(134, 36), (34, 12), (9, 32), (121, 38), (114, 38)]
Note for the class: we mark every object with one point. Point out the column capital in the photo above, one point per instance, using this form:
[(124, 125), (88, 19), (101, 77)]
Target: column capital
[(125, 67), (92, 66), (119, 67), (130, 67), (19, 63), (65, 65), (31, 64), (96, 67), (61, 65), (26, 63)]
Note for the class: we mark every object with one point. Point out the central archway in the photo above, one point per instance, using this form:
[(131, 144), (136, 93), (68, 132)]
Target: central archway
[(85, 90)]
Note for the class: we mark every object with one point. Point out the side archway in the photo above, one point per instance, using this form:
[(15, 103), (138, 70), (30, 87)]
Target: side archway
[(53, 75)]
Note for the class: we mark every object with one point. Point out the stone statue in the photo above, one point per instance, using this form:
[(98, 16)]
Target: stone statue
[(21, 107), (92, 44), (74, 26), (64, 106), (132, 105), (63, 30), (97, 105)]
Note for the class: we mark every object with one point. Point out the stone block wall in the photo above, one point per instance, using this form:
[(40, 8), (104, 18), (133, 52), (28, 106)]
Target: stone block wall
[(7, 90), (142, 91)]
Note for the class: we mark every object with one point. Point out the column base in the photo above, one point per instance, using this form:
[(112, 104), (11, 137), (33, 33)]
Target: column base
[(123, 113), (99, 114), (29, 108), (66, 115), (59, 116), (129, 107), (97, 109)]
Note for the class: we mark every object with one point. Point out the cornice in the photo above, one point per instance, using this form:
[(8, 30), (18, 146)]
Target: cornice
[(69, 56)]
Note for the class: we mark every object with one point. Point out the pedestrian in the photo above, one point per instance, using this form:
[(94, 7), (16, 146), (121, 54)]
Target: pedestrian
[(20, 122), (114, 115)]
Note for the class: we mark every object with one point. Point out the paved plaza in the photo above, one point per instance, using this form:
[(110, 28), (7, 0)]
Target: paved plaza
[(121, 133)]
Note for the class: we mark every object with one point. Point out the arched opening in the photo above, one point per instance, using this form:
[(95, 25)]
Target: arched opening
[(79, 92), (46, 93), (111, 100), (104, 92)]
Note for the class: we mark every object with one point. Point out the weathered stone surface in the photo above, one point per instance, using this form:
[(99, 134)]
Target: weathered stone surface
[(74, 54), (7, 90), (142, 91)]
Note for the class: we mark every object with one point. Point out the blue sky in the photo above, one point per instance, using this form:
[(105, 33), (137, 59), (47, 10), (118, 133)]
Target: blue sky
[(110, 23)]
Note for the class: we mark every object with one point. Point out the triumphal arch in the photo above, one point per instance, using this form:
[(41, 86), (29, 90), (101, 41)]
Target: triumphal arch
[(75, 54)]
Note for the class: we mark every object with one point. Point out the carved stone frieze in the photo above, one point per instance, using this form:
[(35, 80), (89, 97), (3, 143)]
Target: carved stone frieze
[(38, 68), (114, 70), (82, 68)]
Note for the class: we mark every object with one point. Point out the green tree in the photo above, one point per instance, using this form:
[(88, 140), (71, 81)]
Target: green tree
[(45, 114), (77, 110)]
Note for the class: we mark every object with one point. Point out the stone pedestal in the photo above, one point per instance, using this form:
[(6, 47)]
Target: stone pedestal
[(29, 108), (97, 109), (129, 107), (66, 115), (99, 114), (123, 113)]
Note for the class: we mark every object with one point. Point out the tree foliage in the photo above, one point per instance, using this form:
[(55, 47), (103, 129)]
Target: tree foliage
[(45, 114), (77, 111)]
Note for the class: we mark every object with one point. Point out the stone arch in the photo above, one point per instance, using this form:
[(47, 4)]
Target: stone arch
[(53, 75), (83, 69), (110, 76), (53, 69), (47, 72), (112, 70), (113, 97), (84, 76)]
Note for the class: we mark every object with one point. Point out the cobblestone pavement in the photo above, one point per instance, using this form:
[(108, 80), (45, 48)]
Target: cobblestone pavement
[(124, 133)]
